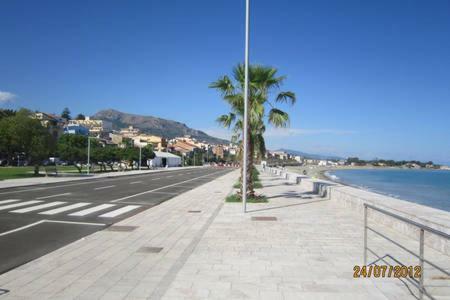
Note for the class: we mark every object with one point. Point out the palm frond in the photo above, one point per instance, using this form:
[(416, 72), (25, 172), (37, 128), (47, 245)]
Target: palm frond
[(278, 118), (286, 97), (224, 85), (226, 120)]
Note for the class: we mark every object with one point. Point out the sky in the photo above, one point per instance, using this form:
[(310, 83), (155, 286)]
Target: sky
[(372, 78)]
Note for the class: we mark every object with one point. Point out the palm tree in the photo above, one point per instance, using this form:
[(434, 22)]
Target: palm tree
[(263, 82)]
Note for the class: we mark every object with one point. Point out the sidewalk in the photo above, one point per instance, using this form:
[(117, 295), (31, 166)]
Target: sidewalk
[(308, 252), (9, 183)]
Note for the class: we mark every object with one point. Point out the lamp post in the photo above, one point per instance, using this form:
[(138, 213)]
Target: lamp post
[(89, 155), (140, 156), (246, 138)]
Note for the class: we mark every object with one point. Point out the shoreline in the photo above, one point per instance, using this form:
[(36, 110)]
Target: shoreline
[(318, 172)]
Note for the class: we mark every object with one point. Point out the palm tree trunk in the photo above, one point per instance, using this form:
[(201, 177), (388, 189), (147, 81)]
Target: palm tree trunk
[(250, 191)]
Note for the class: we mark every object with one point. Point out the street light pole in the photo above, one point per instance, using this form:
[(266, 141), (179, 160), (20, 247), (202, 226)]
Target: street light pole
[(246, 138), (89, 155), (140, 156)]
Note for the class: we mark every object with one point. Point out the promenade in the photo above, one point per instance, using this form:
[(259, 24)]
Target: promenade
[(195, 246)]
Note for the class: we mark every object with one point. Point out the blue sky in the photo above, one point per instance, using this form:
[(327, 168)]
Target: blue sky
[(372, 77)]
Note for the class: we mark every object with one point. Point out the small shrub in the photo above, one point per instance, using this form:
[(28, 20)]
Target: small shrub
[(255, 199)]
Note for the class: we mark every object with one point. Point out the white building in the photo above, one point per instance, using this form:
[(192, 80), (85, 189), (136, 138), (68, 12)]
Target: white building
[(165, 159), (298, 158)]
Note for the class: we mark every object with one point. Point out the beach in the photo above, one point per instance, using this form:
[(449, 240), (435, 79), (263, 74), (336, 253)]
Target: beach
[(318, 172)]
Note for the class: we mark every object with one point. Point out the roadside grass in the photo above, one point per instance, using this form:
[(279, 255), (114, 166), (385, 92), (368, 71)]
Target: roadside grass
[(235, 198), (28, 172), (16, 172)]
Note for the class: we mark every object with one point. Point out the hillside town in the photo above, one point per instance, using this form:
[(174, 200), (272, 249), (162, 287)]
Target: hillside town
[(188, 149)]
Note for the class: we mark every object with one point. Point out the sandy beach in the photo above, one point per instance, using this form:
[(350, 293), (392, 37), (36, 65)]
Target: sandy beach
[(318, 172)]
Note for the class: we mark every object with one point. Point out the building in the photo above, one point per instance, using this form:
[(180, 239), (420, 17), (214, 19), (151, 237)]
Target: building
[(129, 132), (95, 127), (142, 140), (218, 151), (182, 147), (165, 159), (76, 129), (54, 124), (298, 159)]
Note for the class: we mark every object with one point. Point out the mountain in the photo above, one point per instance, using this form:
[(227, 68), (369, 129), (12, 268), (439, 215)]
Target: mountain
[(153, 125), (311, 156)]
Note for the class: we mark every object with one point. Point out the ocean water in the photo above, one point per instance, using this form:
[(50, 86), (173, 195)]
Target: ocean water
[(426, 187)]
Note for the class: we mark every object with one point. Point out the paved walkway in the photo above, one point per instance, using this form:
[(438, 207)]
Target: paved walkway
[(308, 252)]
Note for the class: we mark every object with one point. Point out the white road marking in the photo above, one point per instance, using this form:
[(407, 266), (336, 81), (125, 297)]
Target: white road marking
[(37, 207), (160, 188), (53, 196), (64, 208), (23, 227), (104, 187), (91, 210), (78, 223), (134, 182), (156, 178), (19, 204), (49, 221), (166, 193), (169, 176), (8, 201), (82, 183), (119, 211)]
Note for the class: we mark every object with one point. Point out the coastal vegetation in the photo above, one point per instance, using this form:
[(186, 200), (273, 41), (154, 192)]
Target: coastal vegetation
[(263, 83), (25, 143)]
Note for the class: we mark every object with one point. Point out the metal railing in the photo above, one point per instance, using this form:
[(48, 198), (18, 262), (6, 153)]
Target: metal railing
[(422, 228)]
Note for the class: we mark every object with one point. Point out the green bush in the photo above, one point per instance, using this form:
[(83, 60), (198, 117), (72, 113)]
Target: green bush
[(256, 199)]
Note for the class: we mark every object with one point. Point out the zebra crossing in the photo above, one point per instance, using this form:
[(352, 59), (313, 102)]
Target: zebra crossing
[(78, 209)]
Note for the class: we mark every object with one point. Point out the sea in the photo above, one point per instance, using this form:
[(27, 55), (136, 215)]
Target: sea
[(422, 186)]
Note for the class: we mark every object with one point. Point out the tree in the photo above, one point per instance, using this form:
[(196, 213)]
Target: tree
[(4, 113), (66, 114), (80, 117), (21, 135), (147, 153), (263, 81), (73, 148)]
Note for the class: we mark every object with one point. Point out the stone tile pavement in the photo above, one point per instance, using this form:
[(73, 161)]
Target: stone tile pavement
[(308, 252), (113, 264)]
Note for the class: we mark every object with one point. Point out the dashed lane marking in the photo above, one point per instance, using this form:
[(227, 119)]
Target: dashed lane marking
[(104, 187), (53, 196)]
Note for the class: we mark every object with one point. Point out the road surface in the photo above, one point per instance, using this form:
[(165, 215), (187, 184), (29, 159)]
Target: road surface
[(36, 220)]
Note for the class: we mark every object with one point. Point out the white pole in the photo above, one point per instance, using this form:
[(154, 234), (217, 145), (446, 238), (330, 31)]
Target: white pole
[(89, 155), (245, 162), (140, 156)]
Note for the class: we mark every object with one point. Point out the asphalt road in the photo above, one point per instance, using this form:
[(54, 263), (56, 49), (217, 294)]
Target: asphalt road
[(39, 219)]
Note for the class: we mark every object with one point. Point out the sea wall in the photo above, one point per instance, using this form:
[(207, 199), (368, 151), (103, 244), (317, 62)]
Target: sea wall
[(354, 198)]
